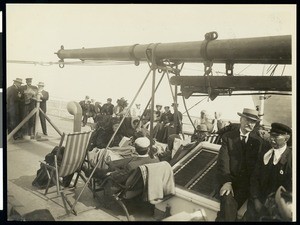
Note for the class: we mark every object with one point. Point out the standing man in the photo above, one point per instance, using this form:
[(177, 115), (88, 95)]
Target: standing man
[(217, 122), (44, 97), (13, 100), (177, 118), (273, 170), (29, 91), (235, 164), (84, 106), (107, 108)]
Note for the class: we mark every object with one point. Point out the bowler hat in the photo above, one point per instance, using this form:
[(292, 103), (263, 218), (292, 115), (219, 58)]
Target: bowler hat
[(19, 80), (250, 114), (41, 84), (280, 128)]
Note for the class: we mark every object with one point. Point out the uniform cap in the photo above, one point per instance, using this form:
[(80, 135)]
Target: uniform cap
[(142, 142), (280, 128)]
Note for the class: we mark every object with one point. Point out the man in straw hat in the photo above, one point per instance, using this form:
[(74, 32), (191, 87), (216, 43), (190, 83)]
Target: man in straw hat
[(29, 92), (44, 96), (13, 99), (235, 164), (273, 170)]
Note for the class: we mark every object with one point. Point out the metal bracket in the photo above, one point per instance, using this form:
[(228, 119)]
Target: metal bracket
[(136, 61), (150, 55), (61, 63), (208, 37), (229, 69)]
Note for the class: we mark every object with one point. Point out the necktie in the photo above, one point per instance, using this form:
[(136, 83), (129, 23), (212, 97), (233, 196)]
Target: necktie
[(243, 139)]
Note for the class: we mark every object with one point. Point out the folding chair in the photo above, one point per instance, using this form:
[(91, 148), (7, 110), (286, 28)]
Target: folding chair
[(134, 187), (73, 157)]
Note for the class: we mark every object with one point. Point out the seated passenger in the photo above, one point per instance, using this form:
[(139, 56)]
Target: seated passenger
[(102, 133), (200, 133), (119, 170), (161, 132), (204, 119)]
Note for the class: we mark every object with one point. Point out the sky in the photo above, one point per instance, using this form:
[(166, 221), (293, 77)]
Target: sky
[(36, 31)]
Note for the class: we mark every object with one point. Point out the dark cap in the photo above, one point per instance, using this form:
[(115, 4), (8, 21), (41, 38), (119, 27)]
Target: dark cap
[(280, 128), (109, 99), (28, 79)]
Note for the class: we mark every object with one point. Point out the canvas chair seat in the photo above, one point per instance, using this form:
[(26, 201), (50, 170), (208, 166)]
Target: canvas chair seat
[(73, 157)]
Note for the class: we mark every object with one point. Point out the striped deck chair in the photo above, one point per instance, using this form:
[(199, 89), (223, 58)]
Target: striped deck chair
[(73, 157)]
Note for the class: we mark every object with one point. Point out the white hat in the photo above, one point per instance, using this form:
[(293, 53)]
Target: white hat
[(41, 84), (142, 142)]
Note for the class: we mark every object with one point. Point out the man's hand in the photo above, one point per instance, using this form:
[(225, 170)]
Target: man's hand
[(258, 205), (226, 189)]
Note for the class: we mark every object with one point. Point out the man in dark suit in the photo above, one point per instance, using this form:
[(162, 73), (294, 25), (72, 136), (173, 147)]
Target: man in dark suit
[(107, 108), (84, 106), (44, 96), (120, 169), (273, 170), (235, 164), (13, 99), (29, 91)]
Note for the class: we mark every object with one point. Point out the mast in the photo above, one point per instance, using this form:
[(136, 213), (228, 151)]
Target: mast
[(257, 50)]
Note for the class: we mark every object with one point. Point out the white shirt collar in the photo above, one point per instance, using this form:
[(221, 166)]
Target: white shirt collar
[(277, 155), (143, 156), (247, 135)]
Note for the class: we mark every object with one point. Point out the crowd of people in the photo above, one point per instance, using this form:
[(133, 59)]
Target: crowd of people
[(164, 125), (21, 100), (250, 166)]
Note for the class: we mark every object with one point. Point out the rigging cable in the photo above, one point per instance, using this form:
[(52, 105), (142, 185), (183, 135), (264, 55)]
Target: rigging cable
[(283, 70), (187, 112)]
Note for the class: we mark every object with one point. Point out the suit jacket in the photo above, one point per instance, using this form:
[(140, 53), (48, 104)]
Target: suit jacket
[(28, 95), (107, 109), (13, 100), (260, 179), (44, 99), (231, 165)]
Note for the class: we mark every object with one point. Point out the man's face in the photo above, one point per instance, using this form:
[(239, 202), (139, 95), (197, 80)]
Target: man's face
[(247, 125), (278, 140), (17, 84), (158, 107), (115, 126), (167, 109)]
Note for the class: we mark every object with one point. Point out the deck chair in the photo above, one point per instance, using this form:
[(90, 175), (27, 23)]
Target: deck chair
[(135, 186), (73, 157)]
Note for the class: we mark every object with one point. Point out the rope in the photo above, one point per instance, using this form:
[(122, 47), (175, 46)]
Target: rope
[(114, 134), (187, 111)]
